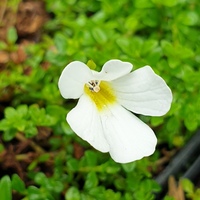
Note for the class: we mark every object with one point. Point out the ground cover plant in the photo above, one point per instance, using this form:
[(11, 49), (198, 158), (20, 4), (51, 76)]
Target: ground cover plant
[(40, 156)]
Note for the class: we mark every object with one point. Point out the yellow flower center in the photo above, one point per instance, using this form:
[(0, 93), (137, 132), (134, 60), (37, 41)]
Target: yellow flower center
[(101, 93)]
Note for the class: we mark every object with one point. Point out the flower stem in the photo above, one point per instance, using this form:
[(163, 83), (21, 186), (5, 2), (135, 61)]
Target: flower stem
[(37, 148)]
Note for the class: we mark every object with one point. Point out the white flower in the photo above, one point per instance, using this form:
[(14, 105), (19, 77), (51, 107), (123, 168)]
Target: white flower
[(101, 116)]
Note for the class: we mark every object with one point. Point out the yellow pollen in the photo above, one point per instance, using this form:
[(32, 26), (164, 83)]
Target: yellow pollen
[(102, 94)]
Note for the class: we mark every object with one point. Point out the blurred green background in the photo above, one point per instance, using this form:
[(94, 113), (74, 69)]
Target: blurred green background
[(40, 156)]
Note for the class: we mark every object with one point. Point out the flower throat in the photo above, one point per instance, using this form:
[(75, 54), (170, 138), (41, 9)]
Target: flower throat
[(101, 93)]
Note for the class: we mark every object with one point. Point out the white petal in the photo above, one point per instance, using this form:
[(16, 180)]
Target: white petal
[(73, 78), (143, 92), (128, 137), (85, 121), (114, 69)]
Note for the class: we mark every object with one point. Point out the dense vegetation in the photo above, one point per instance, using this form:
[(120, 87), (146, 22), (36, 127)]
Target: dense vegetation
[(40, 156)]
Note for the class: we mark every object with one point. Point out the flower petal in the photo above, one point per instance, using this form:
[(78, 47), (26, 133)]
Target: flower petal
[(143, 92), (113, 69), (85, 121), (73, 78), (128, 137)]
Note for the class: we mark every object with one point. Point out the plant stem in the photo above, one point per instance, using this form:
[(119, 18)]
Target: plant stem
[(37, 148)]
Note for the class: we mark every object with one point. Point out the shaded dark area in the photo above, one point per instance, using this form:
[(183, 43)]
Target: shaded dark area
[(21, 152), (185, 164)]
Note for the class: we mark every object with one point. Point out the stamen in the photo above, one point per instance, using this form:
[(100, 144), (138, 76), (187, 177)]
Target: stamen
[(96, 88), (94, 85), (101, 93)]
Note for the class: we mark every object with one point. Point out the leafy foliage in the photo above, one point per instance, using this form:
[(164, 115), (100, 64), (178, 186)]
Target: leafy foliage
[(162, 34)]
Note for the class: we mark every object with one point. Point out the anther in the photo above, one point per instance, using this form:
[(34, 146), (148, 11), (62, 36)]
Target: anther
[(94, 85), (96, 88)]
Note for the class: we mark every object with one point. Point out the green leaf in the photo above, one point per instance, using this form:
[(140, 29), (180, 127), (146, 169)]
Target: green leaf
[(22, 111), (156, 121), (12, 35), (187, 185), (33, 193), (128, 196), (197, 194), (61, 43), (176, 52), (110, 194), (4, 125), (44, 157), (91, 64), (120, 183), (10, 112), (149, 46), (57, 186), (73, 164), (111, 167), (91, 181), (143, 4), (188, 18), (124, 44), (129, 167), (169, 3), (5, 188), (66, 128), (97, 193), (32, 165), (72, 194), (131, 23), (30, 130), (40, 178), (99, 35), (191, 117), (18, 184), (2, 45), (91, 158), (55, 110), (9, 134), (20, 125), (167, 48)]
